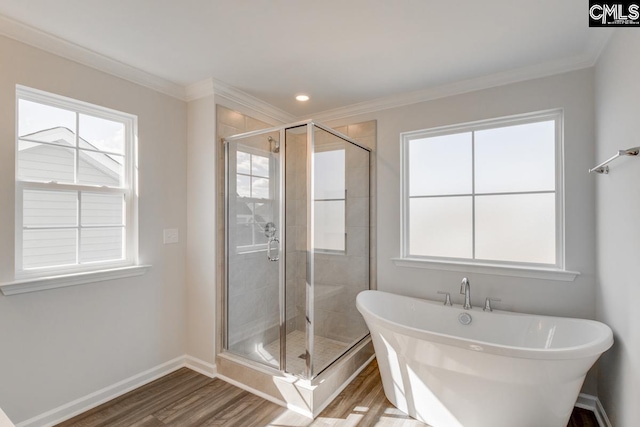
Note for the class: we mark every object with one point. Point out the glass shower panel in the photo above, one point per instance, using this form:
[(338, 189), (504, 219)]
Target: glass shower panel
[(253, 248), (340, 252), (293, 275), (296, 249)]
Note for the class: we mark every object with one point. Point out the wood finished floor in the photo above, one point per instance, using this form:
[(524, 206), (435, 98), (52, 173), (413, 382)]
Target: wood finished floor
[(187, 399)]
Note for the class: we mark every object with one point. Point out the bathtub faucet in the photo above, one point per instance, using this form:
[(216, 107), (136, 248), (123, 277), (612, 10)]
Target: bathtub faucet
[(466, 290)]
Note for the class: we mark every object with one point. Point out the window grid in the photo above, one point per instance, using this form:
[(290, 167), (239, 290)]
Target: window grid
[(343, 250), (339, 193), (126, 181), (473, 195), (251, 202), (555, 116)]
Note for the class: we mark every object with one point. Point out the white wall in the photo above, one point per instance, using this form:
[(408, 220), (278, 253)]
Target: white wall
[(59, 345), (201, 246), (571, 91), (618, 215)]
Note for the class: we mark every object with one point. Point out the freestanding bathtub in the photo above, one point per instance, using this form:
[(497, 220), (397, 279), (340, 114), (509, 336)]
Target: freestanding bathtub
[(501, 370)]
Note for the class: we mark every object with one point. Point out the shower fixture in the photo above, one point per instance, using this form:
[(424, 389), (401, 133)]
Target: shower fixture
[(269, 229)]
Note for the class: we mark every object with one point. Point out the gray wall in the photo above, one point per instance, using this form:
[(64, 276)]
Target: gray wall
[(618, 213), (571, 91), (63, 344)]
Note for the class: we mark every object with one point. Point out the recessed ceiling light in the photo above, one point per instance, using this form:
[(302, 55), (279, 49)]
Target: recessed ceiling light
[(302, 98)]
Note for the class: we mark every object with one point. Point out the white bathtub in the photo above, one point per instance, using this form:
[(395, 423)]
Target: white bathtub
[(501, 370)]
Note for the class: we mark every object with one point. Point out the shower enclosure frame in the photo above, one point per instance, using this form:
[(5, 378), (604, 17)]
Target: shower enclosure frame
[(309, 313)]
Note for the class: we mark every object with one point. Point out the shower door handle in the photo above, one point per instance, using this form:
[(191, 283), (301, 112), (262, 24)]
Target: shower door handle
[(270, 248)]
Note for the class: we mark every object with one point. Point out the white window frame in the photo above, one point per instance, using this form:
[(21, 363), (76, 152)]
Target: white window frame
[(128, 189), (554, 271), (335, 146), (253, 151)]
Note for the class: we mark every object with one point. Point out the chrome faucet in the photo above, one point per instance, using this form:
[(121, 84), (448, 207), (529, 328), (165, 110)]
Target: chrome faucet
[(466, 290)]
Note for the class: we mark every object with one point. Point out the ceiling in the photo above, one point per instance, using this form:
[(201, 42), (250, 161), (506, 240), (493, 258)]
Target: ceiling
[(339, 52)]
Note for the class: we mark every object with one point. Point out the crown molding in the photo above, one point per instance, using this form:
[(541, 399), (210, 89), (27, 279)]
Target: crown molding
[(250, 101), (198, 90), (211, 86), (39, 39), (460, 87), (594, 49), (599, 43)]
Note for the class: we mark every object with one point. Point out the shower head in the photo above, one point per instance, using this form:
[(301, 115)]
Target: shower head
[(275, 145)]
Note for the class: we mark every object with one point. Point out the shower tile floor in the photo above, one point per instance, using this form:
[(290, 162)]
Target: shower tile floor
[(325, 351)]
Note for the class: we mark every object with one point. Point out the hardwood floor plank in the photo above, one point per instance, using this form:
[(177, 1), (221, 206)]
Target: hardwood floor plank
[(582, 418), (358, 393), (284, 418), (149, 421), (382, 413), (187, 399), (204, 403), (136, 405), (261, 413)]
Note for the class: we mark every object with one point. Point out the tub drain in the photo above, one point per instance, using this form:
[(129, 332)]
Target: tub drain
[(465, 318)]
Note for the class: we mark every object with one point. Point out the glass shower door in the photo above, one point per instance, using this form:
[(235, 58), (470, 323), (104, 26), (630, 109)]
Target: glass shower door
[(253, 240), (339, 249), (327, 246), (290, 302)]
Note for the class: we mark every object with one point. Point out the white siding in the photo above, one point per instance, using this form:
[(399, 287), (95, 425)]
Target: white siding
[(43, 248), (59, 210), (40, 162)]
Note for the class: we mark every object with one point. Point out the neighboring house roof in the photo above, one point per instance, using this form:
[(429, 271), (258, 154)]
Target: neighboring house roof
[(64, 136)]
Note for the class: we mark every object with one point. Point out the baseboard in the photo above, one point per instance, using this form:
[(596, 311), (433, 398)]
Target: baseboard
[(593, 404), (90, 401), (200, 366), (601, 415)]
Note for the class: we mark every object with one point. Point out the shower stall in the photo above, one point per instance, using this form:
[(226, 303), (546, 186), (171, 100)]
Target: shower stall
[(296, 247)]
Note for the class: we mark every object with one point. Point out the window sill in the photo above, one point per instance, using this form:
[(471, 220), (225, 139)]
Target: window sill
[(497, 270), (53, 282)]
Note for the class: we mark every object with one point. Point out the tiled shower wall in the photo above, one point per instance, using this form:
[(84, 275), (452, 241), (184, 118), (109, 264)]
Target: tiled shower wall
[(365, 133), (296, 223)]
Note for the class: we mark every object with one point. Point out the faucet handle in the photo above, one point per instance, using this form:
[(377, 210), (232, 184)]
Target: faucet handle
[(447, 298), (465, 282), (487, 303)]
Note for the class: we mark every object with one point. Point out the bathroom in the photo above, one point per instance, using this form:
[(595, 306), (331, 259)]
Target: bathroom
[(70, 348)]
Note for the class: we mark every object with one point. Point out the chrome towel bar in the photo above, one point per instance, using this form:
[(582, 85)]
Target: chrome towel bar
[(603, 168)]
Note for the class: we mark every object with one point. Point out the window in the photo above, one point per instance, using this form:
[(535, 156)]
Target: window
[(255, 198), (486, 193), (75, 186), (329, 198)]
